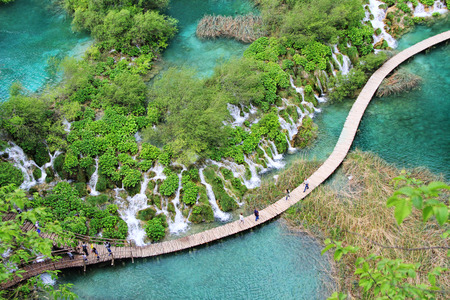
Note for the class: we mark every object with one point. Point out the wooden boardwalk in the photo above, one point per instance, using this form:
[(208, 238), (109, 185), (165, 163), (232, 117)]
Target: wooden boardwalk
[(329, 166)]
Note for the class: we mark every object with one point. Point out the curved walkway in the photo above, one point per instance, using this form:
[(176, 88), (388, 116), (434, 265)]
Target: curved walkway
[(328, 167)]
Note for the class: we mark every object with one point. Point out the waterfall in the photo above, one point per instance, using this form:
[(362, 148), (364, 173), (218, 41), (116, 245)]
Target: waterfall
[(67, 125), (377, 22), (47, 165), (421, 11), (20, 161), (320, 85), (218, 214), (254, 181), (290, 128), (94, 179), (290, 149), (346, 63), (235, 112), (137, 137), (297, 89), (128, 213), (271, 163), (180, 223), (332, 69)]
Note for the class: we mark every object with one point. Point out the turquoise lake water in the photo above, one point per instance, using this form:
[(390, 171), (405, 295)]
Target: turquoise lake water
[(31, 32), (266, 263), (186, 49)]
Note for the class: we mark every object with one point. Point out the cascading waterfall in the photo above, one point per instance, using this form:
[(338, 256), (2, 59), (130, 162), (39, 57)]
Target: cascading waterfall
[(128, 210), (179, 224), (137, 137), (421, 11), (67, 125), (291, 128), (333, 71), (271, 163), (346, 63), (377, 22), (94, 179), (255, 180), (218, 213), (21, 162), (320, 85), (48, 165), (235, 112)]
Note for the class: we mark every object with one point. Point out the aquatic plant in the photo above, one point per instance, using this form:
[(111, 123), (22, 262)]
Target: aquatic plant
[(398, 82), (242, 28)]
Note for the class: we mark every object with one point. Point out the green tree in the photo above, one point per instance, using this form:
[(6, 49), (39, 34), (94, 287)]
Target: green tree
[(27, 120), (22, 248), (192, 115)]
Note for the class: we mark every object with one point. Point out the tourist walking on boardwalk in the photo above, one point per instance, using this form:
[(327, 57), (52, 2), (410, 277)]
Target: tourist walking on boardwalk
[(241, 217), (85, 249), (108, 247), (287, 194), (85, 258), (306, 182), (256, 212), (96, 252), (70, 255)]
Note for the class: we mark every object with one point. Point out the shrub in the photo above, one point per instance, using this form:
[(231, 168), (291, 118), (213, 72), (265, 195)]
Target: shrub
[(146, 214), (81, 188), (190, 192), (201, 213), (10, 174), (149, 152), (169, 185), (97, 200), (155, 229)]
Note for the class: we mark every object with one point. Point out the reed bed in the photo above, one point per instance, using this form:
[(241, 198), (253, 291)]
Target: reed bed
[(398, 82), (354, 211), (244, 28)]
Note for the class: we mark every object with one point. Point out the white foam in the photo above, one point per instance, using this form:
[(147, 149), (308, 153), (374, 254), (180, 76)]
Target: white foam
[(218, 213)]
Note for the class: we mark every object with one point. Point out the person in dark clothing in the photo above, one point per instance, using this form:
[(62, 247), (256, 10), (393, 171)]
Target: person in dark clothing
[(108, 247), (256, 212), (287, 194), (85, 249), (96, 252)]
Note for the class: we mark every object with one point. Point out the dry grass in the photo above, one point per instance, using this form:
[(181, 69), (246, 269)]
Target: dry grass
[(355, 212), (398, 82), (242, 28)]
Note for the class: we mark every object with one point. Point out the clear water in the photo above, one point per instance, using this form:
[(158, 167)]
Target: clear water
[(266, 263), (186, 49), (409, 129), (31, 32)]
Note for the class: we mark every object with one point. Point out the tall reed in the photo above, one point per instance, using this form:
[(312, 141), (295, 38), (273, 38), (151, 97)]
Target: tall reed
[(351, 207)]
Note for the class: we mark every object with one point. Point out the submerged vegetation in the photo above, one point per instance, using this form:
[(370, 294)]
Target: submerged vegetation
[(246, 28), (398, 82)]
